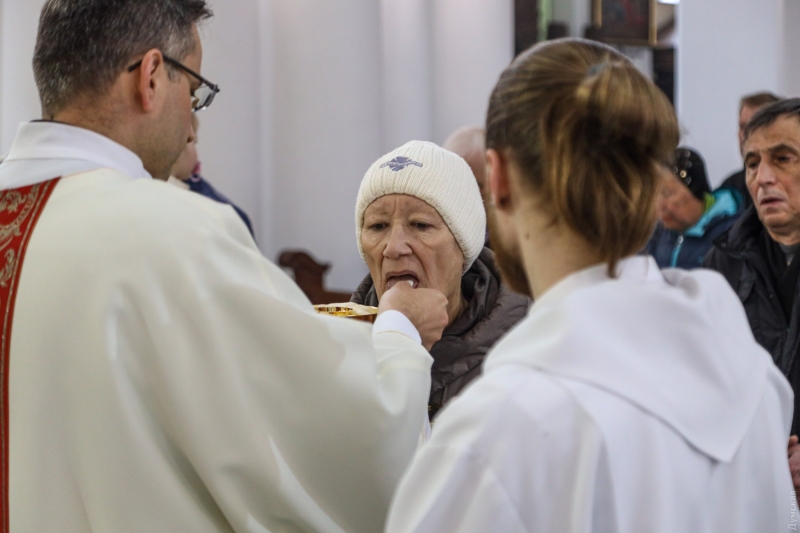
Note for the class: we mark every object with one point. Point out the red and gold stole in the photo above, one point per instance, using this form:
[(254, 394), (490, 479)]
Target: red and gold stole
[(19, 211)]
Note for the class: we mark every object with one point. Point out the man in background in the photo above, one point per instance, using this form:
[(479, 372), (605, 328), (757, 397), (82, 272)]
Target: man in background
[(748, 106), (758, 256), (470, 143), (159, 373)]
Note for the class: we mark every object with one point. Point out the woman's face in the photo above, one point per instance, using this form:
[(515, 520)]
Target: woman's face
[(405, 239)]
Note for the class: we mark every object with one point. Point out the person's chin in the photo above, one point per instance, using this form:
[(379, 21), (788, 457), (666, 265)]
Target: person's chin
[(776, 222), (773, 214)]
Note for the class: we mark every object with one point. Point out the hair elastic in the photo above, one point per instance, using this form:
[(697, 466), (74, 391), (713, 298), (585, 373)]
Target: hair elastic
[(597, 68)]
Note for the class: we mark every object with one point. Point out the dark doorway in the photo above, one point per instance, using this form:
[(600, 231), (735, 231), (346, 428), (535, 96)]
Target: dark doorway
[(664, 71), (526, 24)]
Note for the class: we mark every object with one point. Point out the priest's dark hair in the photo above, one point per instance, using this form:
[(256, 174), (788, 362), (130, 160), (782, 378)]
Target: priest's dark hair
[(83, 45), (589, 133), (767, 115)]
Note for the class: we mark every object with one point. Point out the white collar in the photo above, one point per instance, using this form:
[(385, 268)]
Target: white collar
[(636, 269), (46, 150), (675, 343)]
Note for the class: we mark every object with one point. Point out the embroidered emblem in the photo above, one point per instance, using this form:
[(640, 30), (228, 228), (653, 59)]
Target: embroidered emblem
[(399, 163)]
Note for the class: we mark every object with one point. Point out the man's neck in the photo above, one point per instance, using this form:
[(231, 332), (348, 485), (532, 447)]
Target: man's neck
[(785, 237), (103, 118), (119, 129)]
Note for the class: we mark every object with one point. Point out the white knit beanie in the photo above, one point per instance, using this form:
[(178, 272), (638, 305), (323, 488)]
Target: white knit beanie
[(436, 176)]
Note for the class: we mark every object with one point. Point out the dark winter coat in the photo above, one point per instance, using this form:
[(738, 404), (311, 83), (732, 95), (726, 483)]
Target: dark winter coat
[(492, 309), (200, 185), (746, 256)]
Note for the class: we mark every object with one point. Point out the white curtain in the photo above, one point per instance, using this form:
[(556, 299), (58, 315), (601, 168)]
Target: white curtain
[(313, 92)]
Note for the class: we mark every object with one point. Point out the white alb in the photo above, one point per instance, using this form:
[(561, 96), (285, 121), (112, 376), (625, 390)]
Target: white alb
[(164, 376), (629, 405)]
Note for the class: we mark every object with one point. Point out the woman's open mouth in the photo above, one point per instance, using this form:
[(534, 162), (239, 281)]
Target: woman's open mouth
[(393, 279)]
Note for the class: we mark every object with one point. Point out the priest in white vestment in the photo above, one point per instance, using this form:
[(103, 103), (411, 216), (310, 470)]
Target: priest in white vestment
[(162, 375), (629, 400)]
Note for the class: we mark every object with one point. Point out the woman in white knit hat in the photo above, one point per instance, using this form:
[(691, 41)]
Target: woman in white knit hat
[(420, 219)]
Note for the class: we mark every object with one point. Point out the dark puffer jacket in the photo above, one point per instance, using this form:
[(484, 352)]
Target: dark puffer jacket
[(492, 309), (740, 256)]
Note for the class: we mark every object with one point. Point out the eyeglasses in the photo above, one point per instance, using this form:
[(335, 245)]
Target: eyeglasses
[(202, 96)]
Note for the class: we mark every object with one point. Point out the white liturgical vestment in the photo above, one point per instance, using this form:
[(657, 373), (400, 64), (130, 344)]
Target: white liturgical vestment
[(165, 377), (629, 405)]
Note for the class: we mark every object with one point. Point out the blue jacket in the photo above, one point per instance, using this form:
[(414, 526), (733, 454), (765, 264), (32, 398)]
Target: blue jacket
[(199, 185), (686, 250)]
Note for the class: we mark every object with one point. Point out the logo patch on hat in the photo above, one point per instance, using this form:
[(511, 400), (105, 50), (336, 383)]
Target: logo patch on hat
[(399, 163)]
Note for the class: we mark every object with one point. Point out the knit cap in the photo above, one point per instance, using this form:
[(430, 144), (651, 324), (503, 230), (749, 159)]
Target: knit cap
[(436, 176), (691, 170)]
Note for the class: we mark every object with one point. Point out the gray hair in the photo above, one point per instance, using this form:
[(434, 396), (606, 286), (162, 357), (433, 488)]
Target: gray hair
[(83, 45), (769, 114)]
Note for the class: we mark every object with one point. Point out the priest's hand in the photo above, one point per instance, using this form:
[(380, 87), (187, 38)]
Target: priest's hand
[(425, 308), (794, 461)]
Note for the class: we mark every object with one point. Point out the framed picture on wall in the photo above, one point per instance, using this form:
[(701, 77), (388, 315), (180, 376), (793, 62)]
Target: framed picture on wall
[(631, 22)]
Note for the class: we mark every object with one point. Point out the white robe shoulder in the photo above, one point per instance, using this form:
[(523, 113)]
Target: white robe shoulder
[(618, 406)]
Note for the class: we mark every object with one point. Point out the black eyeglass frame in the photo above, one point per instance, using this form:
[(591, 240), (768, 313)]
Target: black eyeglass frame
[(203, 81)]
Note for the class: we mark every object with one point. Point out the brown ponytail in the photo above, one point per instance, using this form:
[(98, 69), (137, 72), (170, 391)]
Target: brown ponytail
[(588, 131)]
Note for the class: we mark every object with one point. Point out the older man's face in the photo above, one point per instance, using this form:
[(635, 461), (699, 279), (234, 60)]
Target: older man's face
[(772, 163)]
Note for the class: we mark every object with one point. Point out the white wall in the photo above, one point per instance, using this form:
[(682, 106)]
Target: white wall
[(327, 125), (473, 43), (19, 101), (791, 48), (312, 93), (230, 137), (726, 49), (340, 84), (407, 70)]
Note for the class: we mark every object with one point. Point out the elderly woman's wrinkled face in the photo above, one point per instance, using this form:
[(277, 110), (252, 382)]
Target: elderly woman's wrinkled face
[(405, 239)]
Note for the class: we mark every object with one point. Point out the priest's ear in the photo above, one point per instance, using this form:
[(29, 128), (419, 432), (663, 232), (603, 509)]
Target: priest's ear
[(150, 76), (499, 186)]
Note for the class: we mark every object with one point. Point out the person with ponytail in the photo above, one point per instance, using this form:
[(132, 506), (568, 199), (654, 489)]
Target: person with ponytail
[(629, 399)]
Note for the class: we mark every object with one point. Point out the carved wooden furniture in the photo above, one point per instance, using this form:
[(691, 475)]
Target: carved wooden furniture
[(309, 275)]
